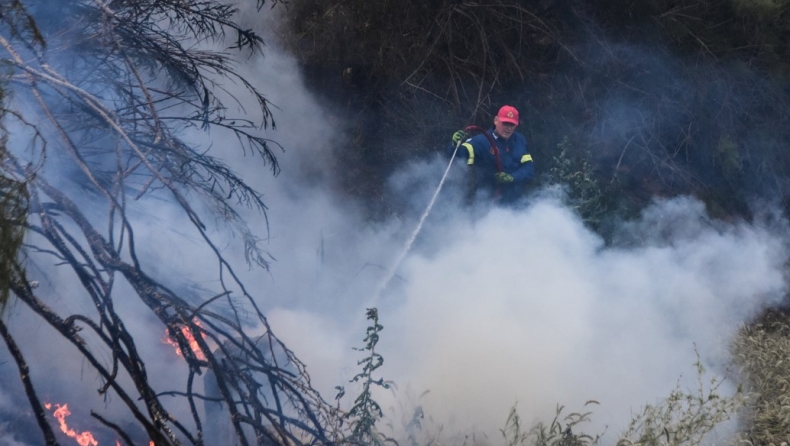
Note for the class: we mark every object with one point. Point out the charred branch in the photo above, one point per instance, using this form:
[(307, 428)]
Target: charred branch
[(30, 391), (102, 95)]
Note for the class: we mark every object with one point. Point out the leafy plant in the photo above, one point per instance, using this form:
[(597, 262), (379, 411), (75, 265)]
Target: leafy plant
[(684, 417), (559, 432), (585, 193), (512, 432), (13, 209), (366, 411)]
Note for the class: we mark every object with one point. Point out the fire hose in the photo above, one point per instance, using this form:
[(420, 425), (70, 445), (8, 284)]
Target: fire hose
[(410, 241), (494, 148)]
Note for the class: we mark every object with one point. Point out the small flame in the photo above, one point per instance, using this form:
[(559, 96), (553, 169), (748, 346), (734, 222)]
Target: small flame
[(61, 412), (193, 344)]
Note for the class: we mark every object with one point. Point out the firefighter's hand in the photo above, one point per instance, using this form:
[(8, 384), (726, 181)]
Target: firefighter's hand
[(459, 136), (503, 178)]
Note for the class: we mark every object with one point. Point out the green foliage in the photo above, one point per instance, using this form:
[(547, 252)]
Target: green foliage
[(13, 209), (553, 434), (513, 431), (13, 196), (685, 417), (585, 193), (366, 411)]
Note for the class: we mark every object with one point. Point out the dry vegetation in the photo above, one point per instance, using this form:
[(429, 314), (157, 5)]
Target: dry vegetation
[(762, 352), (105, 90)]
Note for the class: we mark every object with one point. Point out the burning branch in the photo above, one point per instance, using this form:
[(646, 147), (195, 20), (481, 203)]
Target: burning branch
[(38, 409), (114, 122), (60, 413), (189, 336)]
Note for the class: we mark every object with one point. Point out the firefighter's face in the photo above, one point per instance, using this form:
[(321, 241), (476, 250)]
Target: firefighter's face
[(503, 129)]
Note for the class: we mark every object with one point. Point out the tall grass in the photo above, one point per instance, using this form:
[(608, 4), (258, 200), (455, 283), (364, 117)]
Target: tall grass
[(762, 352), (685, 417)]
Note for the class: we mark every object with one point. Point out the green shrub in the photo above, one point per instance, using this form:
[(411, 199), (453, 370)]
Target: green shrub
[(577, 174), (685, 417)]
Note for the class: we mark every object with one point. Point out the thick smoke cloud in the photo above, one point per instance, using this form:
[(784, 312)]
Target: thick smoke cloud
[(530, 307), (493, 306)]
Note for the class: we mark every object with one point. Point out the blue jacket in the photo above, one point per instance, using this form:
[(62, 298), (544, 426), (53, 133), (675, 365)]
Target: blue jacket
[(514, 155)]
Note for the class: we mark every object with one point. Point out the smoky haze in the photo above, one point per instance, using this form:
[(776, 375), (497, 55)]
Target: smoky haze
[(493, 307), (497, 307)]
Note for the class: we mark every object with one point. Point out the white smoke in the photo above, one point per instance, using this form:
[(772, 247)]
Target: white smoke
[(493, 307), (517, 306), (496, 306), (530, 307)]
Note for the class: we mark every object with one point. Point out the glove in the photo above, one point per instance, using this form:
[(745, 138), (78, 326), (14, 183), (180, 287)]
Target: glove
[(502, 177), (459, 136)]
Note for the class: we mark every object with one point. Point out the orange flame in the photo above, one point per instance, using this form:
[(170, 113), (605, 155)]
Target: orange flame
[(193, 344), (83, 438)]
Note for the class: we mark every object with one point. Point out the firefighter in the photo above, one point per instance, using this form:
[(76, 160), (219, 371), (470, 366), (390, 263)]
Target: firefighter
[(508, 175)]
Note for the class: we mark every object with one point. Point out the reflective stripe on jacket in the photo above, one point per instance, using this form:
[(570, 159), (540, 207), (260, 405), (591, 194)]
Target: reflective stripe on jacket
[(516, 159)]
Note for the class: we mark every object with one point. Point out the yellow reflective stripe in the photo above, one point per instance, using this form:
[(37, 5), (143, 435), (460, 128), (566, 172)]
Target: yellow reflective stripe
[(526, 158), (471, 150)]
